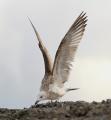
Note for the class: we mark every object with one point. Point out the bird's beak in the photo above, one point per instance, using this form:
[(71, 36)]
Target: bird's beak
[(37, 102)]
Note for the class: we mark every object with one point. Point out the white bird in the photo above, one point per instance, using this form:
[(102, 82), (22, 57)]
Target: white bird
[(52, 86)]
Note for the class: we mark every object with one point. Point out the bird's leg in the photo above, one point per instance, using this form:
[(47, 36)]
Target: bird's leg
[(57, 100), (51, 101)]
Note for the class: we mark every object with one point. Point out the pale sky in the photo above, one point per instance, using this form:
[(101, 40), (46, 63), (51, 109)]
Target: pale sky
[(21, 62)]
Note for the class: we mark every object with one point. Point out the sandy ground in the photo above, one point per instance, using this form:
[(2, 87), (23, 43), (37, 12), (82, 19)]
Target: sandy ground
[(79, 110)]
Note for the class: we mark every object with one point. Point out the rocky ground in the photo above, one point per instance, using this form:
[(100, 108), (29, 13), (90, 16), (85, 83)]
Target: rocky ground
[(79, 110)]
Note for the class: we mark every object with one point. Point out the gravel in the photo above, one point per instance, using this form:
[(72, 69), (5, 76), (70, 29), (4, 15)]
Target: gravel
[(79, 110)]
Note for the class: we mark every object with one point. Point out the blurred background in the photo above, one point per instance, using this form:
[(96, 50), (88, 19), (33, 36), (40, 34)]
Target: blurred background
[(21, 62)]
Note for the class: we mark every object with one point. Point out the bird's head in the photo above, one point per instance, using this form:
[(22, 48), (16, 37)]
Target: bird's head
[(41, 96)]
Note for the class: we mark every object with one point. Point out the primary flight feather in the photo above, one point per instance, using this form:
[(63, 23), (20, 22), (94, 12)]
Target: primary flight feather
[(56, 74)]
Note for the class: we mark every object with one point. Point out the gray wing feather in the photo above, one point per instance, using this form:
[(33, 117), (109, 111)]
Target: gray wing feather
[(46, 56), (67, 49)]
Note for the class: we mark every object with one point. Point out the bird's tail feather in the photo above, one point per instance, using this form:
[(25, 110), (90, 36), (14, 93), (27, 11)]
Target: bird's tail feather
[(70, 89)]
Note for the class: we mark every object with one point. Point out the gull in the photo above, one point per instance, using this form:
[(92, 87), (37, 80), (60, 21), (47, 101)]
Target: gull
[(57, 73)]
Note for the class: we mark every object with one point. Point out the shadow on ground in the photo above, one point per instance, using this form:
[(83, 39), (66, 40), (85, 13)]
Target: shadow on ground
[(79, 110)]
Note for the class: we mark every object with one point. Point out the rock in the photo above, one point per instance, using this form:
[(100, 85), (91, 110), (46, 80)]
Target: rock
[(61, 111)]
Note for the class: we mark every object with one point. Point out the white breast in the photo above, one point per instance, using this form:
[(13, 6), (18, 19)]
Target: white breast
[(56, 89)]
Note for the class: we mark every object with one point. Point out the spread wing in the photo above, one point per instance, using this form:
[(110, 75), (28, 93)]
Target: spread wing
[(46, 56), (67, 49)]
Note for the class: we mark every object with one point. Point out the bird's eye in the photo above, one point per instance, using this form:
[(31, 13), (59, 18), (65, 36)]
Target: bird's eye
[(40, 96)]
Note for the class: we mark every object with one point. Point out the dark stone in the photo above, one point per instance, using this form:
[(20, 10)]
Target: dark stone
[(79, 110)]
